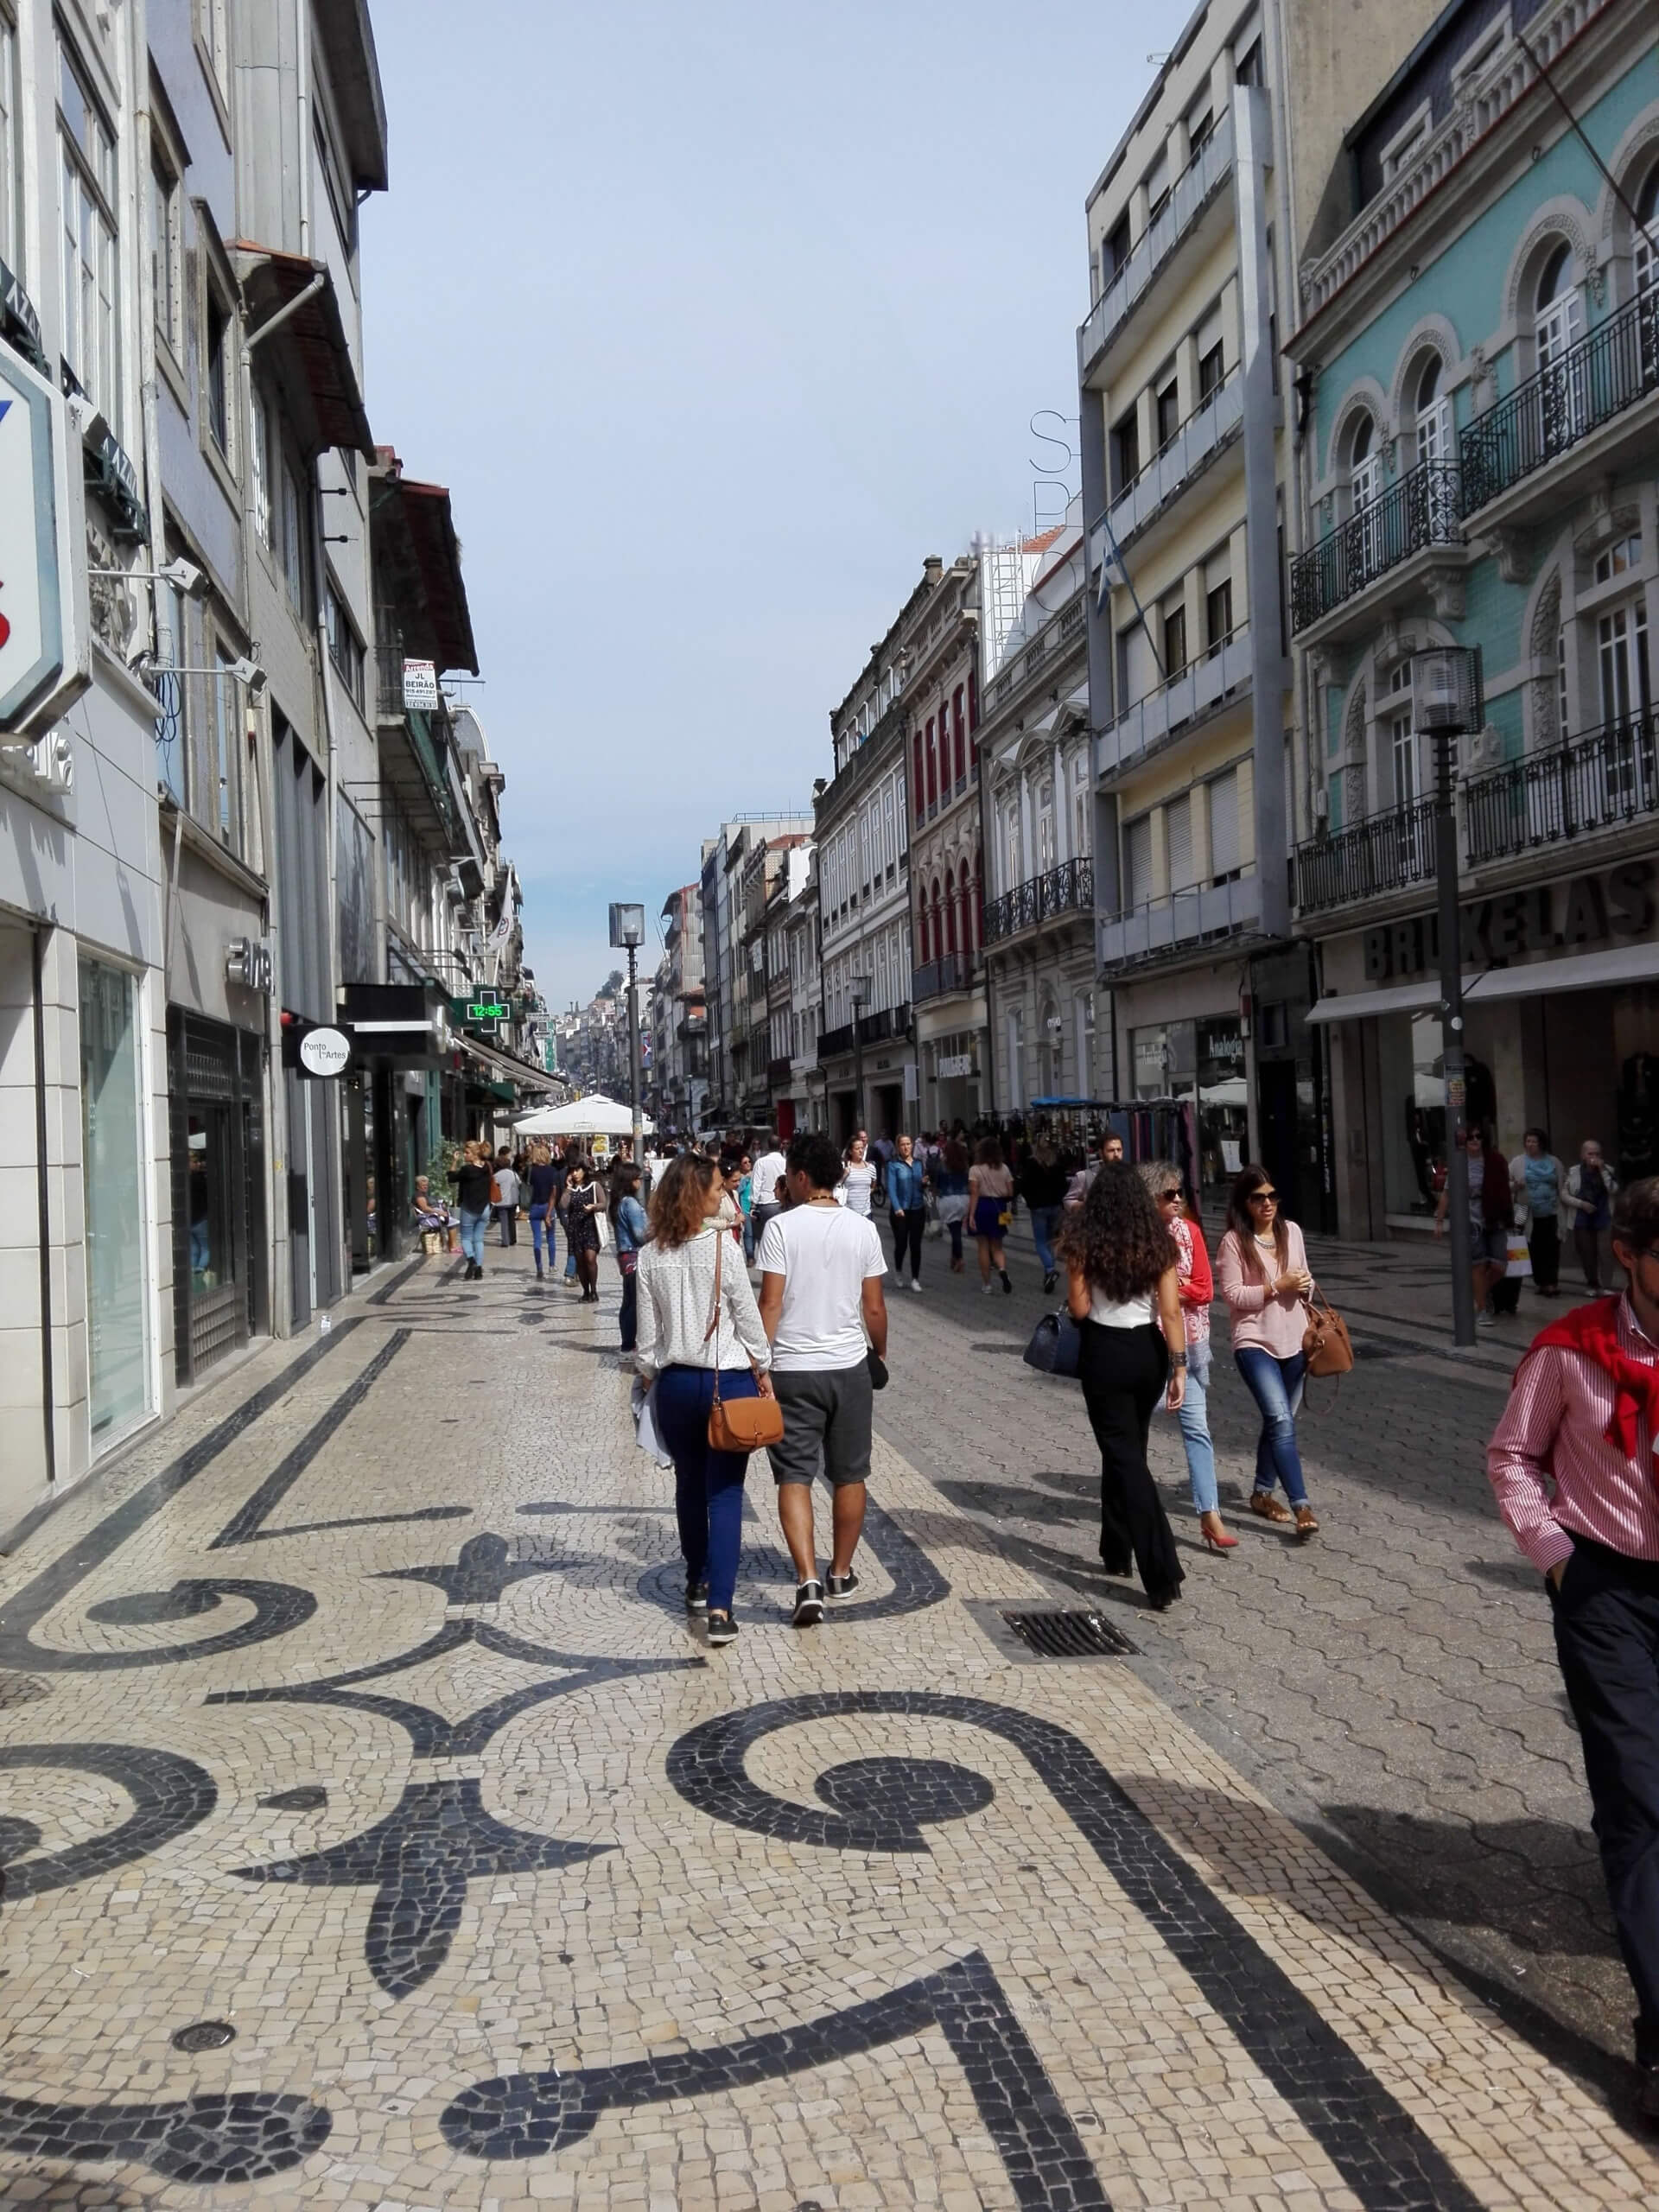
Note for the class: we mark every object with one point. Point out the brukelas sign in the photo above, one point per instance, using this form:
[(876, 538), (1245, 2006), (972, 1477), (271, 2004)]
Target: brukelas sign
[(1572, 915)]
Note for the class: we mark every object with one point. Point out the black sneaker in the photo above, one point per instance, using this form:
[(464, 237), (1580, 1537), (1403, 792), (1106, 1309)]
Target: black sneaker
[(723, 1628), (808, 1604), (1049, 1282), (696, 1596), (1007, 1284), (838, 1588)]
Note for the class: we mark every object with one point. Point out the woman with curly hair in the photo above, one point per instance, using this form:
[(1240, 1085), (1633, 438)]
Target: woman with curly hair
[(1123, 1291)]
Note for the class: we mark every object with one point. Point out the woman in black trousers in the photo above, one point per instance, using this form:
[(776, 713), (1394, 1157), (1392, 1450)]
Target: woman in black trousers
[(1123, 1291)]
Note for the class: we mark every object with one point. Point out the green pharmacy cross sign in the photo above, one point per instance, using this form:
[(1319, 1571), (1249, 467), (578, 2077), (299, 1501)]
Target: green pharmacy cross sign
[(478, 1011)]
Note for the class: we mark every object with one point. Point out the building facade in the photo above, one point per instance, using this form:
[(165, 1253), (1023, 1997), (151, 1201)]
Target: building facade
[(947, 868), (1483, 362), (867, 1052)]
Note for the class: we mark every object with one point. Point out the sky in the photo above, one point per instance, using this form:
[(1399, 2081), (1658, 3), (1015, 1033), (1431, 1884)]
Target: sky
[(716, 319)]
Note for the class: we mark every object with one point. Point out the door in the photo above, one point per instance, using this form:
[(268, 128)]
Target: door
[(1276, 1090)]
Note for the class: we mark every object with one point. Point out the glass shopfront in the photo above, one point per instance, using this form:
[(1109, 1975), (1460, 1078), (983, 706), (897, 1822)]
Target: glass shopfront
[(111, 1128), (215, 1094), (1203, 1060)]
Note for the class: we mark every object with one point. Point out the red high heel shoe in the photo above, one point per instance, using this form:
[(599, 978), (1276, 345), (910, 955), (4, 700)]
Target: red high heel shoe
[(1218, 1539)]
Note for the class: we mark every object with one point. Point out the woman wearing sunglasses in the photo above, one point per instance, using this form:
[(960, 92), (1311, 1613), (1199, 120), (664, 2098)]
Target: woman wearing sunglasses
[(1261, 1272)]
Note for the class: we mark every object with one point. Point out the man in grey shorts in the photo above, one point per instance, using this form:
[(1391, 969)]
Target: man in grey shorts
[(823, 1311)]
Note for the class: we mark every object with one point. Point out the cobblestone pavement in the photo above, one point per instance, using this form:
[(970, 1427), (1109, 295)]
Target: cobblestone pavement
[(378, 1834)]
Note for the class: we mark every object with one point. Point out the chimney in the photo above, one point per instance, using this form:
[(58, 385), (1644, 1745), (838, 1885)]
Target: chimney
[(932, 569)]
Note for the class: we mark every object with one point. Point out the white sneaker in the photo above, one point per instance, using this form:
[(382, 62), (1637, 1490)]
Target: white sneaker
[(988, 1288), (915, 1286)]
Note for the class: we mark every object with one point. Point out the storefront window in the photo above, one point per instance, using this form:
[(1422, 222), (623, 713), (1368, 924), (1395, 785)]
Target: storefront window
[(112, 1170), (1204, 1061), (1414, 1110)]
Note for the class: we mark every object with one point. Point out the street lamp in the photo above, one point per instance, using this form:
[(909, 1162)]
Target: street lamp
[(861, 1000), (628, 930), (1446, 703)]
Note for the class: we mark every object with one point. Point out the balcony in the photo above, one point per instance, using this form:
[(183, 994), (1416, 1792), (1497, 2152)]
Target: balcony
[(1208, 430), (937, 979), (1199, 185), (779, 1073), (1417, 515), (389, 692), (832, 1043), (1583, 399), (1602, 781), (1068, 889), (1200, 689), (1384, 853), (1165, 925)]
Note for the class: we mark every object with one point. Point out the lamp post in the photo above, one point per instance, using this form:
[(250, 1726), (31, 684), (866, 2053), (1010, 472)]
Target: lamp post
[(1446, 703), (861, 1000), (628, 932)]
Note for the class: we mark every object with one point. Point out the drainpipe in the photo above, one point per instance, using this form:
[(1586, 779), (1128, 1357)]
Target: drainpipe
[(42, 1197), (303, 70)]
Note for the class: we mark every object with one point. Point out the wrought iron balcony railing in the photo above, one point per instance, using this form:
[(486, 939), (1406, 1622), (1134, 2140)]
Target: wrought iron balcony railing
[(953, 971), (1420, 511), (1067, 889), (832, 1043), (1608, 370), (1384, 853), (1599, 781)]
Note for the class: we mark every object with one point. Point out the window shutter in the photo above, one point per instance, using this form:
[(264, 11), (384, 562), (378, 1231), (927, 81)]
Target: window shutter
[(1179, 816), (1137, 840), (1224, 824)]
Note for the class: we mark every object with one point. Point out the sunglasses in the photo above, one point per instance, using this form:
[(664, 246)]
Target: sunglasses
[(1263, 1198)]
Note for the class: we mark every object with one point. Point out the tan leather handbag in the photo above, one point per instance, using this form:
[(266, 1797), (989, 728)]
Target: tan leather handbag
[(737, 1424), (1326, 1342)]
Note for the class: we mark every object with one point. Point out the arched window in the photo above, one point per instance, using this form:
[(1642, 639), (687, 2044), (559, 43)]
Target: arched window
[(949, 906), (932, 766), (964, 901), (1431, 413), (1558, 307), (922, 953), (1647, 239), (916, 780), (959, 733), (1365, 466)]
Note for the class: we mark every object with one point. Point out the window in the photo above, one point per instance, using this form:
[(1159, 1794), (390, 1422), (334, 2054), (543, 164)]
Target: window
[(11, 224), (1200, 126), (1213, 372), (1174, 641), (214, 43), (345, 648), (1044, 826), (1484, 50), (217, 371), (1248, 69), (1178, 820), (1169, 414), (1645, 260), (1364, 488), (166, 298), (1406, 143), (86, 186), (917, 777), (1433, 413), (1621, 558), (1622, 659), (1137, 863), (1224, 827), (227, 718), (1125, 448), (340, 198), (259, 467), (932, 768), (1218, 615), (1405, 777), (1082, 842), (1158, 187), (959, 735), (292, 547), (1114, 250)]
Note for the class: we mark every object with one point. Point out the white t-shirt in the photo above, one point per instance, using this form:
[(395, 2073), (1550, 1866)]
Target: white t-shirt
[(856, 1184), (825, 1254), (507, 1183), (768, 1172)]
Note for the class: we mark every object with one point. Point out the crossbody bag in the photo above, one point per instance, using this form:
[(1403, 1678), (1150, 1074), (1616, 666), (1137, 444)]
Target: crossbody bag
[(737, 1424)]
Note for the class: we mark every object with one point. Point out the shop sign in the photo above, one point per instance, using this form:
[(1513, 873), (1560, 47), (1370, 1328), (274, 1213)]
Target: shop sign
[(248, 962), (325, 1051), (31, 615), (1522, 925), (421, 686), (1221, 1041), (950, 1064)]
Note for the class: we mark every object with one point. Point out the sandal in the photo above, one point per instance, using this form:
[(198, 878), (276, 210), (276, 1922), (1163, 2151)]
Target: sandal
[(1264, 1502), (1306, 1526)]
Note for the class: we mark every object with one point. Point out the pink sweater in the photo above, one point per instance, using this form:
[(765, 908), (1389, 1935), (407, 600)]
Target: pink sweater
[(1273, 1319)]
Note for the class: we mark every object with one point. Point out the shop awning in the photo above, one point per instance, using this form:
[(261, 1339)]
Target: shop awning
[(309, 342), (1581, 971), (503, 1068)]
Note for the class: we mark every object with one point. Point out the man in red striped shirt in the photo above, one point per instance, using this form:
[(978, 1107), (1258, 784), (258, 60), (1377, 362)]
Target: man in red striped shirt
[(1573, 1464)]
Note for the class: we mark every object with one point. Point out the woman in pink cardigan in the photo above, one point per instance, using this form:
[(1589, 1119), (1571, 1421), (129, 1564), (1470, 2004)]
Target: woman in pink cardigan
[(1261, 1272)]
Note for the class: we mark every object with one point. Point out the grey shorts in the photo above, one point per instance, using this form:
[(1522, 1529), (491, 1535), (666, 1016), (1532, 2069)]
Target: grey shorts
[(1492, 1244), (827, 1416)]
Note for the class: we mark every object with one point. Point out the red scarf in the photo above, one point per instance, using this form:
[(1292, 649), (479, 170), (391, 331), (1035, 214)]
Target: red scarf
[(1593, 1330)]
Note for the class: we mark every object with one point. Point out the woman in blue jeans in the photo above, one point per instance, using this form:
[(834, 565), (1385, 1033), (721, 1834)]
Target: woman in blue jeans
[(1042, 1185), (1261, 1272), (542, 1189), (472, 1176), (1196, 1286), (696, 1312)]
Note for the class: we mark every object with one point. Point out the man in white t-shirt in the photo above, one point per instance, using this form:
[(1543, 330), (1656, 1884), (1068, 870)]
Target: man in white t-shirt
[(763, 1201), (823, 1311)]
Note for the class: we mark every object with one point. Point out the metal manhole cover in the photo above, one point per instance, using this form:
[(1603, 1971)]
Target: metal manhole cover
[(1070, 1635), (205, 2035)]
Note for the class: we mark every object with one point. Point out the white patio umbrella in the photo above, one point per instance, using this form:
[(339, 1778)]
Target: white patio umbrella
[(583, 1117)]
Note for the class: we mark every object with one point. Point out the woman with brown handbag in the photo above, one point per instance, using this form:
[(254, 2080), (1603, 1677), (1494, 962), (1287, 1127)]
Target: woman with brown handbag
[(1261, 1272), (690, 1306)]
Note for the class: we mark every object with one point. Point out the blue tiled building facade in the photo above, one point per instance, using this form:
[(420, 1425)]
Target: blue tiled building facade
[(1477, 379)]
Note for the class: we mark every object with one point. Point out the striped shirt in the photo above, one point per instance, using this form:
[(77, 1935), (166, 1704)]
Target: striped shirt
[(1553, 1471)]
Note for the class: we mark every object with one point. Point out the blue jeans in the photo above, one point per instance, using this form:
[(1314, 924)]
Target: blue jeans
[(1194, 1417), (1276, 1386), (538, 1231), (708, 1486), (472, 1235), (1045, 1220)]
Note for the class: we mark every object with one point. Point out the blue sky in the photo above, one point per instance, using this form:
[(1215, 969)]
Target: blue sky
[(716, 320)]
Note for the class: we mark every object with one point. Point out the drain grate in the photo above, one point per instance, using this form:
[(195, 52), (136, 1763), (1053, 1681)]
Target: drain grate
[(1070, 1635), (205, 2035)]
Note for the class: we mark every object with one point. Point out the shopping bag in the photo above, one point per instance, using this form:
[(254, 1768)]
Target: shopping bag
[(1519, 1264), (642, 1404), (935, 1223)]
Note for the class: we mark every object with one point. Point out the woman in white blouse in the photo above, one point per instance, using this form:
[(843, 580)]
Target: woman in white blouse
[(857, 1181), (698, 1312)]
